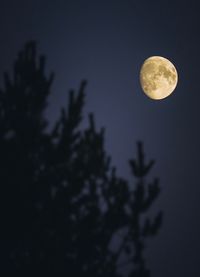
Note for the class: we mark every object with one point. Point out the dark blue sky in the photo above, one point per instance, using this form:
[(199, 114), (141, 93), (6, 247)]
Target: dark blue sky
[(106, 42)]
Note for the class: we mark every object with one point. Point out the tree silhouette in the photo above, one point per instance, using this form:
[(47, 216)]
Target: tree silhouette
[(64, 210)]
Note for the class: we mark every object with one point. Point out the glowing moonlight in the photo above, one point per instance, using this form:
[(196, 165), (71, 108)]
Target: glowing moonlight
[(158, 77)]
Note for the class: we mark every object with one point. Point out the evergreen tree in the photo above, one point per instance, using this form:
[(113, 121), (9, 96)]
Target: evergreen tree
[(62, 202)]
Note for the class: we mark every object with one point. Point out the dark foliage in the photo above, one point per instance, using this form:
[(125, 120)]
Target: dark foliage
[(62, 203)]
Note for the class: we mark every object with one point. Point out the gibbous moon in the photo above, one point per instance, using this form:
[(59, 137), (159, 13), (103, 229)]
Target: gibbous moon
[(158, 77)]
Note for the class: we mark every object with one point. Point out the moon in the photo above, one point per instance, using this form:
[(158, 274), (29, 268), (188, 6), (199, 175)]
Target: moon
[(158, 77)]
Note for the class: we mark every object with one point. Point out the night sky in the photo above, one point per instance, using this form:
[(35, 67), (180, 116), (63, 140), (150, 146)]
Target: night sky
[(106, 43)]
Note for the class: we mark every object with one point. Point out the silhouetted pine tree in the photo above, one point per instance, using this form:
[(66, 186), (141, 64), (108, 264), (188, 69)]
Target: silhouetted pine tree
[(61, 200)]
